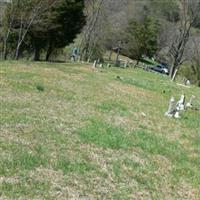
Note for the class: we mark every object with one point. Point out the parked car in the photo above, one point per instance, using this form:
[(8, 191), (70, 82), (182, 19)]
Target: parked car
[(161, 69)]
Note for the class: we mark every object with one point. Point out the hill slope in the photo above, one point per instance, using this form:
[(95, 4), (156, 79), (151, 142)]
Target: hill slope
[(68, 132)]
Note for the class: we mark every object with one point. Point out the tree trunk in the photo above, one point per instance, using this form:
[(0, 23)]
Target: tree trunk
[(198, 83), (20, 36), (36, 54), (90, 29), (17, 52), (110, 55), (5, 52), (5, 45), (172, 70), (117, 58), (49, 52), (85, 52), (198, 77), (174, 75)]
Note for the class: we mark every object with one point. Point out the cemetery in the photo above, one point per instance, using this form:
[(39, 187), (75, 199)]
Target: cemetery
[(99, 99), (73, 127)]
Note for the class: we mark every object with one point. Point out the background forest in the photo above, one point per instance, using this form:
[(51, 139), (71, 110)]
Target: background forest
[(166, 30)]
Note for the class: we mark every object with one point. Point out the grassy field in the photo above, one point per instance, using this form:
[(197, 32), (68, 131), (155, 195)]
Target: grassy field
[(70, 132)]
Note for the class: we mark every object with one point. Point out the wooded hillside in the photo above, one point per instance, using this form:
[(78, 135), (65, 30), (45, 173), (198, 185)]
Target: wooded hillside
[(164, 30)]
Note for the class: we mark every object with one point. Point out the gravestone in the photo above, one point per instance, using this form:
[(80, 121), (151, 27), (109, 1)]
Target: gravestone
[(177, 114), (95, 64), (191, 102), (171, 109), (180, 106), (181, 103), (188, 82)]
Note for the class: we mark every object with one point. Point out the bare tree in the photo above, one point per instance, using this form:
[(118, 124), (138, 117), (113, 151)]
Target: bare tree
[(9, 28), (6, 25), (29, 17), (190, 11), (93, 11), (106, 22)]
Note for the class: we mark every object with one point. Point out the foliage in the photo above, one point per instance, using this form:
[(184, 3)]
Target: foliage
[(57, 33), (40, 88), (166, 9), (142, 38), (43, 28), (42, 25)]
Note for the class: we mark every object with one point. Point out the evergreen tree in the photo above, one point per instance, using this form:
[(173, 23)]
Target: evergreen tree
[(42, 25), (57, 26), (142, 38)]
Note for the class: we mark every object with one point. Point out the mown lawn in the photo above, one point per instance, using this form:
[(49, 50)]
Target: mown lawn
[(70, 132)]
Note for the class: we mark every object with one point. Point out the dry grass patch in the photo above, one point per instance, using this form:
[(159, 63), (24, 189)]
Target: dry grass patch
[(88, 135)]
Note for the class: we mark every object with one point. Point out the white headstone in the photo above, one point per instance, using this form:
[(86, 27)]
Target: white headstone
[(171, 109), (180, 106), (181, 103), (94, 64), (190, 103), (188, 82), (177, 114)]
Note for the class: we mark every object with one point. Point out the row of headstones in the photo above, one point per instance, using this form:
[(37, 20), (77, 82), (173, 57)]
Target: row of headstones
[(174, 108), (96, 64)]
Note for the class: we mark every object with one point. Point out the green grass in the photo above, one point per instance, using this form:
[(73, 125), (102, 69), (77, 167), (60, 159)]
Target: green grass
[(20, 159), (105, 135), (69, 132), (27, 187), (68, 167)]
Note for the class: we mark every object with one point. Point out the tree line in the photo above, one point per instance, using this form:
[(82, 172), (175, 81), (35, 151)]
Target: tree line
[(163, 29), (29, 27), (168, 30)]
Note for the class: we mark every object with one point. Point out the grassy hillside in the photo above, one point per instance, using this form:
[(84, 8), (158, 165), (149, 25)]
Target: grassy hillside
[(69, 132)]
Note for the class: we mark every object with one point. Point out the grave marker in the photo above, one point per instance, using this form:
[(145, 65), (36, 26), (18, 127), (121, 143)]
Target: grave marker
[(171, 110), (95, 64), (191, 102), (181, 103)]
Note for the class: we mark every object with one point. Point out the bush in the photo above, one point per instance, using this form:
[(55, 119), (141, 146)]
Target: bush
[(40, 88)]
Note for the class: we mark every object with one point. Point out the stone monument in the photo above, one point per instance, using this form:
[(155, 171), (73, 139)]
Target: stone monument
[(171, 109)]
